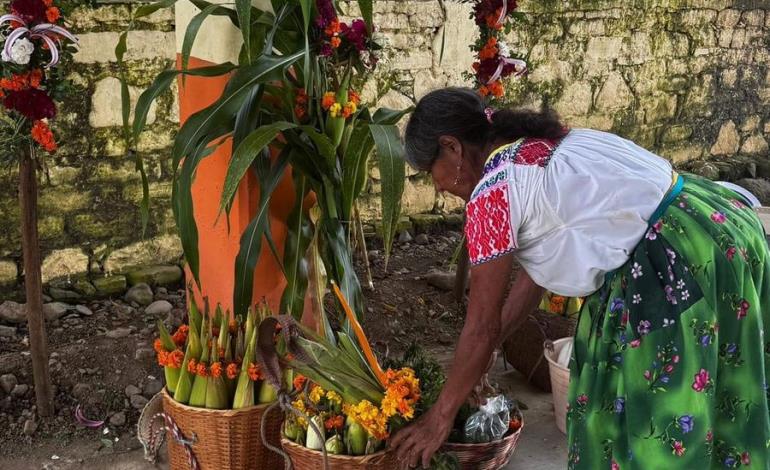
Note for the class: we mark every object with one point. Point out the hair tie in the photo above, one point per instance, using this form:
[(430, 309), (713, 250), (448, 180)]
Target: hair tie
[(489, 112)]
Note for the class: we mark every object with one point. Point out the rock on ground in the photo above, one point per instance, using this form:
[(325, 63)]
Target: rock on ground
[(141, 294), (159, 307)]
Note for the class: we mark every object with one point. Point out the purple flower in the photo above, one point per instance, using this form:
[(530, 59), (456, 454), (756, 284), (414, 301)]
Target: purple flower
[(31, 11), (356, 34), (686, 423), (732, 348), (730, 461), (665, 379), (620, 405), (670, 295), (671, 255), (617, 305), (644, 327), (31, 103), (718, 217), (705, 340), (326, 13)]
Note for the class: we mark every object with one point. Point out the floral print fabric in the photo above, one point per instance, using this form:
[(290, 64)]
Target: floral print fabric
[(670, 364)]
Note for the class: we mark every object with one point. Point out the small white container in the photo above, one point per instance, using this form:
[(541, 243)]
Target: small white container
[(559, 378)]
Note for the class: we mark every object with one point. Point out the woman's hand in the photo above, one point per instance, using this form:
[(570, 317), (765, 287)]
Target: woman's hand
[(416, 444), (483, 388)]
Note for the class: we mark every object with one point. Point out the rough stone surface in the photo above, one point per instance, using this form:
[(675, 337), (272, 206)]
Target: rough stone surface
[(755, 145), (105, 113), (118, 419), (12, 312), (140, 293), (63, 263), (759, 187), (8, 382), (165, 249), (110, 285), (728, 140), (138, 402), (55, 310), (159, 307), (132, 390), (118, 333), (155, 275), (7, 331), (8, 273)]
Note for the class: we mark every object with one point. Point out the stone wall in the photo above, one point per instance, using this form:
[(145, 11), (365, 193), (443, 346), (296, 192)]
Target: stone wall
[(686, 78)]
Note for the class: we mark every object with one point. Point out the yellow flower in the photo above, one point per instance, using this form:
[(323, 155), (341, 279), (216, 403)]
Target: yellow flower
[(335, 110), (299, 404), (334, 397), (370, 417), (316, 394)]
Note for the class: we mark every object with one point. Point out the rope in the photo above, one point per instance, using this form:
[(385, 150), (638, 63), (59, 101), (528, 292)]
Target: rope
[(540, 360), (171, 426)]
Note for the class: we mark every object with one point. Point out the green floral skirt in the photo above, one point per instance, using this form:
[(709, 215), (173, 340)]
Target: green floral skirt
[(671, 363)]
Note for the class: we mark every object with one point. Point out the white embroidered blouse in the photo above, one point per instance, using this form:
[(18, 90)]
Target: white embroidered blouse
[(571, 210)]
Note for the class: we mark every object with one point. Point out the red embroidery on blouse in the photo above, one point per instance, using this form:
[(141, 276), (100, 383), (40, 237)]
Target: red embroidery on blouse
[(488, 226), (536, 152)]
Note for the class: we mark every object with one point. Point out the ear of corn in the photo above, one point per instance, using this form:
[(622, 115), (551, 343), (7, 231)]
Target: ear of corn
[(193, 353)]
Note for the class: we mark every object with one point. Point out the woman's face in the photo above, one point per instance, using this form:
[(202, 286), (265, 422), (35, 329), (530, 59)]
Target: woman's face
[(451, 169)]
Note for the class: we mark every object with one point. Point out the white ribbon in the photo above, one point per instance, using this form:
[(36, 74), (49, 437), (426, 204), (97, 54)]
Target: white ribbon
[(48, 32), (520, 66)]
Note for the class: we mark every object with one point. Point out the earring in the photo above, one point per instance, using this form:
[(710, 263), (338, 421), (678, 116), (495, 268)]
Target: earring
[(457, 178)]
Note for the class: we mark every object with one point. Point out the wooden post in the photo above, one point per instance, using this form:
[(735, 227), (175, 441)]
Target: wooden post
[(38, 342)]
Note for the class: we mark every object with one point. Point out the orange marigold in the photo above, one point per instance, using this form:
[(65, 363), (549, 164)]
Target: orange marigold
[(201, 370), (216, 369), (334, 422), (43, 135), (255, 372), (162, 358), (232, 370), (192, 366), (35, 78), (174, 359), (354, 97), (335, 27), (335, 42), (157, 345), (349, 110), (52, 14), (496, 88), (299, 382), (490, 49), (180, 335), (329, 100)]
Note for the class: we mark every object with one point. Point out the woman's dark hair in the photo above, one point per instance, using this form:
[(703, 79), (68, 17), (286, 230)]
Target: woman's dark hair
[(459, 112)]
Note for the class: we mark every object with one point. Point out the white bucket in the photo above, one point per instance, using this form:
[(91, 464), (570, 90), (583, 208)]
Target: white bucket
[(559, 380)]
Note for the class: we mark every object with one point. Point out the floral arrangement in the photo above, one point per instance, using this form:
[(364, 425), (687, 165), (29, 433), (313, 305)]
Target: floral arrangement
[(291, 96), (494, 60), (33, 42), (347, 403), (211, 362)]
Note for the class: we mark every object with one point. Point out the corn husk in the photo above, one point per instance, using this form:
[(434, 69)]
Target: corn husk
[(184, 386), (171, 373), (244, 390), (315, 440), (334, 445), (356, 439), (198, 394), (193, 313), (216, 389)]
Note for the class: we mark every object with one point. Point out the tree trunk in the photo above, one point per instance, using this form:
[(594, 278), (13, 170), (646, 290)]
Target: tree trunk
[(38, 342), (461, 275)]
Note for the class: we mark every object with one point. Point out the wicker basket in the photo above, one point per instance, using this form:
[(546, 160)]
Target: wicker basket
[(303, 458), (524, 351), (224, 439), (486, 456)]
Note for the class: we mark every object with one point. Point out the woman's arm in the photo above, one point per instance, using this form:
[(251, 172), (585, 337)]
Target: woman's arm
[(480, 336)]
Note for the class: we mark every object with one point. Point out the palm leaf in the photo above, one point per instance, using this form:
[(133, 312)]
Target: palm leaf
[(390, 156), (295, 263)]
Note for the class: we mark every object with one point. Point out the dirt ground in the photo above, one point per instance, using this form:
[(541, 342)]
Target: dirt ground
[(104, 362)]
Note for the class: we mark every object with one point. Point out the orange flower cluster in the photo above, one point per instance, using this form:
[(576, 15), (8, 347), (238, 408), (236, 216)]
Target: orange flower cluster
[(492, 20), (333, 31), (334, 422), (192, 366), (233, 370), (372, 419), (402, 391), (490, 49), (22, 81), (329, 103), (495, 89), (216, 370), (300, 104), (180, 335), (255, 372), (557, 304), (299, 382), (168, 358), (201, 370)]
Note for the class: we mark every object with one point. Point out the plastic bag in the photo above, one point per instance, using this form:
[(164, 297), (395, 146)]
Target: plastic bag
[(490, 423)]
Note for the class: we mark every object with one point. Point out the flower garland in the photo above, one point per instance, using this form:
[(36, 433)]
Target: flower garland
[(494, 62), (32, 43)]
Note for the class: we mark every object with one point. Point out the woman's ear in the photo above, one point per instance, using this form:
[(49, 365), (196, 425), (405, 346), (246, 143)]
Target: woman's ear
[(451, 146)]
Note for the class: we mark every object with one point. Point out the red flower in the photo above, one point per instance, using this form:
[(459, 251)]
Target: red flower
[(31, 103), (582, 399), (31, 11), (356, 34), (702, 381), (678, 448), (745, 458), (52, 14), (487, 11)]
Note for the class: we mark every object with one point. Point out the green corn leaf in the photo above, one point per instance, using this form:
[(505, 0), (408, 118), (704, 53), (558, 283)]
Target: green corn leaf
[(325, 146), (216, 389), (165, 337), (249, 150), (147, 10), (367, 11), (184, 386), (342, 264), (354, 163), (244, 391), (251, 239), (221, 11), (216, 119), (200, 384), (192, 32), (243, 7), (390, 156), (389, 116), (295, 264)]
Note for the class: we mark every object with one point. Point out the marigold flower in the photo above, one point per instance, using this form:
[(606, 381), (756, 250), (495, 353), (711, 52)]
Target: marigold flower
[(354, 97), (299, 382), (255, 372), (232, 370), (329, 100), (201, 370), (490, 49), (335, 27), (157, 345), (192, 365), (162, 358), (43, 135), (216, 369), (52, 14), (299, 404), (335, 42), (174, 359), (35, 78), (180, 335), (334, 422), (370, 417), (334, 397), (316, 394), (349, 110), (335, 110), (497, 89)]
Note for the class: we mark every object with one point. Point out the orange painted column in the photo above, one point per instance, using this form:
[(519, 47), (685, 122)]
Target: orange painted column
[(218, 244)]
